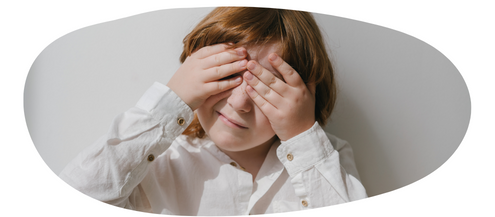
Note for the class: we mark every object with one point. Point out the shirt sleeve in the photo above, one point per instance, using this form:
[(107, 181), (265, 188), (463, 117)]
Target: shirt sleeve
[(111, 169), (321, 168)]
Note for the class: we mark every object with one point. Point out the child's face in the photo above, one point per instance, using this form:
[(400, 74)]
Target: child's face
[(233, 121)]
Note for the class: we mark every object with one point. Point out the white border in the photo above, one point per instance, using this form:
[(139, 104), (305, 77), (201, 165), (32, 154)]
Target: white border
[(463, 32)]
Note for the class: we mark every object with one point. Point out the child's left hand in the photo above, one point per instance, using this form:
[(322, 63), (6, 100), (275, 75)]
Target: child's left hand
[(289, 106)]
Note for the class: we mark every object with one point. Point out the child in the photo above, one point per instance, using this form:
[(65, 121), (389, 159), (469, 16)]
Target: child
[(254, 87)]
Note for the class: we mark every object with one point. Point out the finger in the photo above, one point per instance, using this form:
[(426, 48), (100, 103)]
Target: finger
[(224, 57), (263, 90), (267, 77), (217, 97), (290, 75), (220, 72), (210, 50), (265, 107), (218, 86)]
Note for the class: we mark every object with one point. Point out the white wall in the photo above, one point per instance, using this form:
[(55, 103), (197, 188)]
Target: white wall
[(402, 105)]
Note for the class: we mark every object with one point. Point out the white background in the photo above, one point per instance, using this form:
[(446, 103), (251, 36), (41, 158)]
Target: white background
[(461, 32)]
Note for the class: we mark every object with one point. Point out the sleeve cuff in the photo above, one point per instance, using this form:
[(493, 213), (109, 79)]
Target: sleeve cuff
[(304, 150), (164, 105)]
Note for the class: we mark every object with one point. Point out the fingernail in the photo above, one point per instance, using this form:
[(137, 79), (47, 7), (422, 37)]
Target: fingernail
[(238, 79), (273, 57), (243, 63), (249, 76), (240, 51), (251, 66)]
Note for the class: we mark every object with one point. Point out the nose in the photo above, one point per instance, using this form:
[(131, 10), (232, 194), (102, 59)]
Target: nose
[(239, 100)]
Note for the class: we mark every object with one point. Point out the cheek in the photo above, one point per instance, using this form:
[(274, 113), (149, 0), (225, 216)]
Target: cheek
[(204, 117), (206, 112)]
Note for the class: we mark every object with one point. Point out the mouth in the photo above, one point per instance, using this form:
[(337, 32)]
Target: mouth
[(230, 122)]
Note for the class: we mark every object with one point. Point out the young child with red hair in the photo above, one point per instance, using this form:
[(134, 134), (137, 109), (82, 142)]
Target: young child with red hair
[(237, 130)]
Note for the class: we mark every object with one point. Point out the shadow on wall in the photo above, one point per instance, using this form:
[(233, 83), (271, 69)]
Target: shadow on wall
[(374, 166), (402, 105)]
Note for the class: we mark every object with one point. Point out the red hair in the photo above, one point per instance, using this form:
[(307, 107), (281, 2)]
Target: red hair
[(296, 31)]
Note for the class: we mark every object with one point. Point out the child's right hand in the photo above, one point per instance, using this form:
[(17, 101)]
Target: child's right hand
[(200, 76)]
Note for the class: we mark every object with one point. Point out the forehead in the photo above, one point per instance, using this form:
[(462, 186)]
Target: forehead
[(260, 54)]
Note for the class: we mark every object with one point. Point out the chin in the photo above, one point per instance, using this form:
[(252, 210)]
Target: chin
[(229, 142)]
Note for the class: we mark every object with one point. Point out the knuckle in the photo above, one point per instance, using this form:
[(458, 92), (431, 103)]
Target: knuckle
[(217, 59), (217, 71), (290, 71), (266, 107), (262, 105), (258, 71), (254, 95), (268, 92), (219, 86), (272, 81), (256, 82)]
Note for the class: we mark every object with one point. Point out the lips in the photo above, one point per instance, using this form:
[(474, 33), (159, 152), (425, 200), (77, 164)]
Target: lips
[(230, 122)]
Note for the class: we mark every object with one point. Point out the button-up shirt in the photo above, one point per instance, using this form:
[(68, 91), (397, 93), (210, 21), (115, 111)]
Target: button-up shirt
[(144, 163)]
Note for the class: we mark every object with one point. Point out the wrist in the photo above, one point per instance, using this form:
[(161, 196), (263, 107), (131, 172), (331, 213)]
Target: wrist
[(193, 106), (295, 131), (302, 133)]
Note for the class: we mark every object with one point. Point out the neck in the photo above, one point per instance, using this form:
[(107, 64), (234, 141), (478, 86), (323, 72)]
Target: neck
[(252, 159)]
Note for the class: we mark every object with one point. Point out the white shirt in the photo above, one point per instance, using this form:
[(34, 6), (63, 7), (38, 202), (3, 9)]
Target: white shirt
[(144, 163)]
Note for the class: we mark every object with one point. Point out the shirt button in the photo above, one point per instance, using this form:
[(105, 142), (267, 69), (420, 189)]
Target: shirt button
[(304, 203), (290, 157), (181, 121), (233, 164), (151, 157)]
